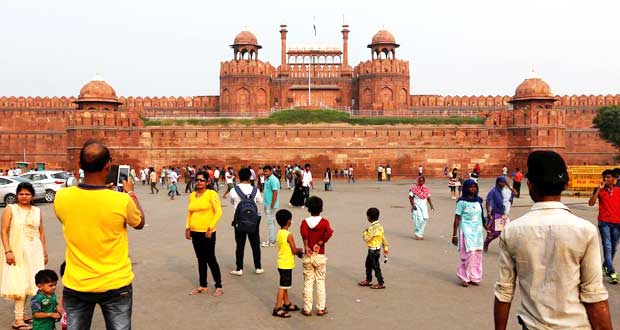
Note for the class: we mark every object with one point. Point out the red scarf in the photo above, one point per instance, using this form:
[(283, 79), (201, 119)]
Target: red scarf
[(421, 191)]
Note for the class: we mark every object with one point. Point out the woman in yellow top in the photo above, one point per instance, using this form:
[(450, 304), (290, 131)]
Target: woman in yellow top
[(205, 211)]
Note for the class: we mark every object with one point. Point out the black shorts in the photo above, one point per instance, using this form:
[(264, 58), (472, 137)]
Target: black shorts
[(452, 188), (286, 278)]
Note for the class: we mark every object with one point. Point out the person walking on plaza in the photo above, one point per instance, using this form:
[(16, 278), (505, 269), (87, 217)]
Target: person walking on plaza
[(468, 234), (553, 256), (248, 213), (419, 197), (380, 173), (454, 182), (374, 237), (189, 179), (230, 181), (505, 171), (298, 195), (315, 232), (216, 178), (327, 179), (517, 177), (252, 177), (24, 250), (143, 176), (388, 172), (351, 178), (608, 197), (272, 203), (307, 183), (420, 170), (153, 180), (94, 220), (499, 201), (204, 212)]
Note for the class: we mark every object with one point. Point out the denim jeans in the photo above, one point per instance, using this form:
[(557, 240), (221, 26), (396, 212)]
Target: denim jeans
[(115, 305), (610, 233), (271, 222)]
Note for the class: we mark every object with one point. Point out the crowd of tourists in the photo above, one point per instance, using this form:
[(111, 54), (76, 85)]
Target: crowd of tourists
[(97, 269)]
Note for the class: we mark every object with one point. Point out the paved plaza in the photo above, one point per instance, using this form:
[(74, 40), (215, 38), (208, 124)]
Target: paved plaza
[(422, 288)]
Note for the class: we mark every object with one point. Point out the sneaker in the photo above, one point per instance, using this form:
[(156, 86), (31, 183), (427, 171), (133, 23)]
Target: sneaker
[(613, 278), (237, 272), (272, 244), (259, 270), (264, 244), (605, 271)]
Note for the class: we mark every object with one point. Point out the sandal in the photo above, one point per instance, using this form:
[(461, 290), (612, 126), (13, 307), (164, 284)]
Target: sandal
[(198, 291), (377, 286), (306, 313), (321, 312), (218, 292), (28, 321), (22, 326), (290, 307), (280, 313), (364, 283)]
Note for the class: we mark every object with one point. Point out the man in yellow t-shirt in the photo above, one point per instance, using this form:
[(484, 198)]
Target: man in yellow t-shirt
[(95, 219)]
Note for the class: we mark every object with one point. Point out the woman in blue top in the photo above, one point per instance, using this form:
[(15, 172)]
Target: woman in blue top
[(468, 234)]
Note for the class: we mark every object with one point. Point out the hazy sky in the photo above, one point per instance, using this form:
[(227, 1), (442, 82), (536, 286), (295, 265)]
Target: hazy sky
[(173, 48)]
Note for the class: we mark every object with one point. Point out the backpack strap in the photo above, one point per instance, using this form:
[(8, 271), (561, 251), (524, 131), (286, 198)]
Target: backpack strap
[(240, 193), (253, 194)]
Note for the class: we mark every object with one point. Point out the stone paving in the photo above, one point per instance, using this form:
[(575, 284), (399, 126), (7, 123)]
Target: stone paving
[(422, 289)]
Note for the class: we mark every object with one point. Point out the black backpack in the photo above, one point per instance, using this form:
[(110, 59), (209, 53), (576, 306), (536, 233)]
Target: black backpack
[(246, 217)]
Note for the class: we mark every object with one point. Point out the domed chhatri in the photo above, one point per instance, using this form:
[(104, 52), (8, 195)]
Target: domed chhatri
[(246, 38), (97, 90), (533, 88), (383, 37)]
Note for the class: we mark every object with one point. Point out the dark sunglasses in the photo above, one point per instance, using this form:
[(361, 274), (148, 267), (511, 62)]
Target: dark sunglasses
[(201, 180)]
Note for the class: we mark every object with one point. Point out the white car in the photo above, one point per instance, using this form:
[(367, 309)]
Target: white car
[(52, 181), (8, 188)]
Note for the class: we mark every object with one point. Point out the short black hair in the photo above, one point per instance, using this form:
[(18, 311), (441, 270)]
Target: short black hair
[(315, 205), (267, 167), (45, 276), (547, 172), (94, 156), (204, 174), (616, 173), (25, 185), (245, 174), (373, 214), (283, 216), (607, 172)]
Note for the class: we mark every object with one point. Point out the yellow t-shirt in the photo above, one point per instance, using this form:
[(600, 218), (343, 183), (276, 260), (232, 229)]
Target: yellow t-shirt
[(95, 230), (203, 212), (286, 259)]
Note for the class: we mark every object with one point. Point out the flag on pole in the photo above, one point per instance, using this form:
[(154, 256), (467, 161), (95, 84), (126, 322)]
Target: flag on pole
[(314, 26)]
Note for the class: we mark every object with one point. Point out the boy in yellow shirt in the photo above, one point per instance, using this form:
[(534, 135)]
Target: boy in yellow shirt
[(374, 236), (286, 263)]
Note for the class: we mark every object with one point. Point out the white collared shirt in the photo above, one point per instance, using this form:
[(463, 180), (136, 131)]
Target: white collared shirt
[(556, 258)]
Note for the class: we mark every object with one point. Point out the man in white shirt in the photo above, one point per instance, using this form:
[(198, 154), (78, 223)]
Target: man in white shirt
[(18, 171), (350, 174), (174, 177), (420, 170), (240, 237), (252, 176), (230, 181), (306, 182), (380, 173), (11, 172), (216, 178), (556, 257)]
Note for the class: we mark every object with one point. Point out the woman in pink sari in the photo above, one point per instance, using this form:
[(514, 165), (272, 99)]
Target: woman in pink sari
[(468, 234)]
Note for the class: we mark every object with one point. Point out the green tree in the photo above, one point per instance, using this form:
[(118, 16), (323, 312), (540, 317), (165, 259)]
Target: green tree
[(607, 120)]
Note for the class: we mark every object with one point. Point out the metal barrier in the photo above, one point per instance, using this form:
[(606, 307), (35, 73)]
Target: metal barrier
[(585, 178)]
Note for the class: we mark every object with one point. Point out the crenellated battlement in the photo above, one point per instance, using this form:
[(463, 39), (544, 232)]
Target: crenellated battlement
[(382, 66), (498, 101), (246, 67)]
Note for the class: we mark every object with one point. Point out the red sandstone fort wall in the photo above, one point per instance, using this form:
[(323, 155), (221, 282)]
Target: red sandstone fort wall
[(54, 136)]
